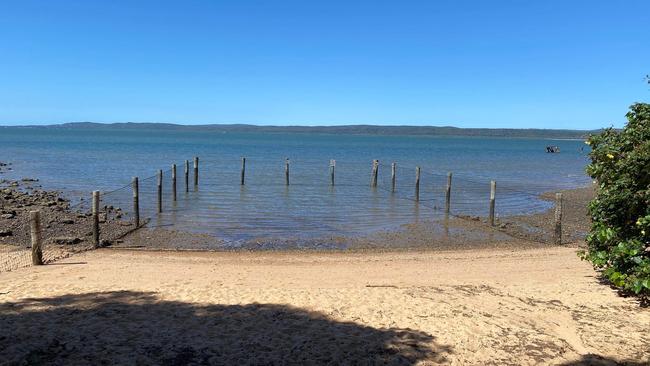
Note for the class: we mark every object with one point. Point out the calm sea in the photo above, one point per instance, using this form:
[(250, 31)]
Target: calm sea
[(77, 161)]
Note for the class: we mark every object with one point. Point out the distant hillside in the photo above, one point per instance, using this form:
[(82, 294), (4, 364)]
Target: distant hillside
[(348, 129)]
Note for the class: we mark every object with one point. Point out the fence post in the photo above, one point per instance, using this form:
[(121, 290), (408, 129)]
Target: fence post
[(332, 168), (174, 182), (375, 169), (393, 171), (243, 170), (448, 195), (187, 176), (196, 172), (95, 211), (286, 171), (493, 191), (160, 182), (558, 218), (35, 226), (136, 202), (417, 183)]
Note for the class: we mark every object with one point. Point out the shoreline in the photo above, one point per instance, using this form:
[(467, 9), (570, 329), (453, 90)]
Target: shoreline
[(461, 233), (68, 226), (66, 230)]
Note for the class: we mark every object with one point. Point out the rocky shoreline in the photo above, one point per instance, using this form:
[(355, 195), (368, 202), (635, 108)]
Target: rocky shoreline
[(61, 223)]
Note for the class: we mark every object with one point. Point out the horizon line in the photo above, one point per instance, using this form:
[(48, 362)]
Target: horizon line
[(61, 124)]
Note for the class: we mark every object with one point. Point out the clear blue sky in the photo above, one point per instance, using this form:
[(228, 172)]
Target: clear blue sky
[(547, 64)]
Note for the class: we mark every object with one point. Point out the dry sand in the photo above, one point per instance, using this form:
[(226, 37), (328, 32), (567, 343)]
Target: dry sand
[(525, 307)]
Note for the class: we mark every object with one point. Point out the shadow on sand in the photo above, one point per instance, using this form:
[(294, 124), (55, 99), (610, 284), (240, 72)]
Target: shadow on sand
[(139, 328)]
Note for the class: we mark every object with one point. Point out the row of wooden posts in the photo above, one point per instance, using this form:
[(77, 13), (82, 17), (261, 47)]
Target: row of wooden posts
[(37, 254)]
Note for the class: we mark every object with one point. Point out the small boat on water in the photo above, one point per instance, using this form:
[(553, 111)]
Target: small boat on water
[(552, 149)]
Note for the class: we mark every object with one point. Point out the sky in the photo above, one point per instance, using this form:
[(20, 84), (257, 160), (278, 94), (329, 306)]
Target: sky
[(502, 64)]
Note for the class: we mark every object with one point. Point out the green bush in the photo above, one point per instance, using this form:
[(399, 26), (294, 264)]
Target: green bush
[(619, 241)]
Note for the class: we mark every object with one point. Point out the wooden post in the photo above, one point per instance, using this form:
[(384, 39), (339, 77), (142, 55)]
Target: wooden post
[(558, 218), (35, 226), (96, 219), (160, 180), (493, 192), (196, 172), (136, 202), (174, 182), (243, 171), (332, 168), (448, 195), (286, 172), (375, 170), (393, 171), (417, 183), (187, 176)]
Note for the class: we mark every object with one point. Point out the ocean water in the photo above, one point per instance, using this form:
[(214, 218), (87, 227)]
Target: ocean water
[(77, 161)]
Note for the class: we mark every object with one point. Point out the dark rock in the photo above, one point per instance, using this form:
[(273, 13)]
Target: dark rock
[(67, 221), (29, 180), (7, 216), (4, 233), (67, 240)]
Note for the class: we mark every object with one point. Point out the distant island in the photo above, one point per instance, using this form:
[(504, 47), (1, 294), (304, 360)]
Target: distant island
[(345, 129)]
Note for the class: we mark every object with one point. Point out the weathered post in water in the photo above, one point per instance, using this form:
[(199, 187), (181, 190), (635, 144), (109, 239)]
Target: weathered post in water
[(243, 171), (393, 171), (196, 172), (375, 170), (35, 227), (95, 211), (286, 172), (160, 182), (174, 182), (332, 168), (558, 218), (187, 176), (493, 191), (417, 183), (136, 202), (448, 195)]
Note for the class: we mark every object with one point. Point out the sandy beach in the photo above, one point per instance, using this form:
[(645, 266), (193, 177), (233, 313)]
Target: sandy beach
[(499, 307)]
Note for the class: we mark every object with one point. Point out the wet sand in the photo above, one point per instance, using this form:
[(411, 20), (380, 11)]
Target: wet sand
[(539, 227), (521, 307)]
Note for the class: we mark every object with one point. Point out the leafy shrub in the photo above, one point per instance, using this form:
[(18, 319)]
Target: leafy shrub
[(619, 241)]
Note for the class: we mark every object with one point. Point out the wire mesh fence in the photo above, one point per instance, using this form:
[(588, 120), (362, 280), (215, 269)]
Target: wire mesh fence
[(245, 199)]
